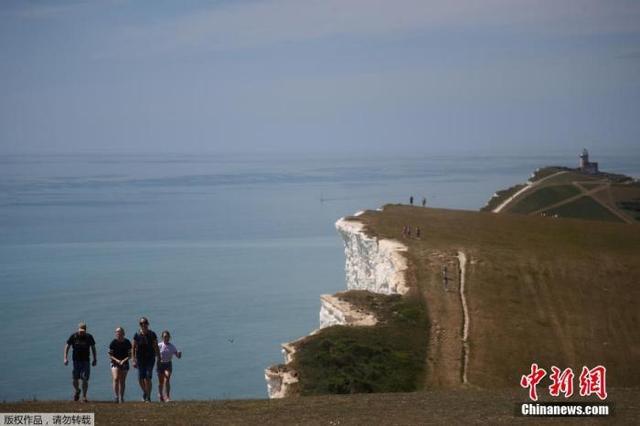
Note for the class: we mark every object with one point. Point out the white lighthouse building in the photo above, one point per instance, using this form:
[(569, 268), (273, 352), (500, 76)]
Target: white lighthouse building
[(585, 165)]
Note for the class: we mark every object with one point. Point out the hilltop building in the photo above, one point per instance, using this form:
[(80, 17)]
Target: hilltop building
[(585, 165)]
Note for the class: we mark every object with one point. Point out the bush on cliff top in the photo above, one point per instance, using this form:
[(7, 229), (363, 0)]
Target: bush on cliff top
[(388, 357)]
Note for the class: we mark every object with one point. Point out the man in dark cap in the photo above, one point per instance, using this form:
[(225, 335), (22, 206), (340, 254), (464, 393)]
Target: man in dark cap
[(81, 341)]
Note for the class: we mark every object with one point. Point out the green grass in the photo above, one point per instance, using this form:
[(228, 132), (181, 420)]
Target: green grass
[(388, 308), (388, 357), (627, 198), (546, 171), (631, 207), (500, 197), (555, 291), (616, 191), (589, 186), (543, 197), (537, 290), (617, 178), (463, 406), (569, 177), (584, 208)]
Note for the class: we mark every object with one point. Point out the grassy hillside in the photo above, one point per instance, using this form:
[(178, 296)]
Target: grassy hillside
[(504, 194), (500, 196), (553, 291), (584, 208), (386, 358), (568, 193), (544, 197), (467, 406)]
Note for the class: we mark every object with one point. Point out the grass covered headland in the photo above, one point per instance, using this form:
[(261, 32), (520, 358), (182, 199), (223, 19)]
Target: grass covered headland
[(564, 192), (387, 357), (553, 291)]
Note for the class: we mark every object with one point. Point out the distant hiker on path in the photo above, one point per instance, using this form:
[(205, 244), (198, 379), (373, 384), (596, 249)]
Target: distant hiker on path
[(411, 200), (145, 352), (119, 353), (81, 342), (417, 232), (424, 202), (165, 367), (445, 278)]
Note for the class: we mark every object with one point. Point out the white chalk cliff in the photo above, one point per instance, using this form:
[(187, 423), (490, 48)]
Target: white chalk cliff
[(371, 264), (279, 381)]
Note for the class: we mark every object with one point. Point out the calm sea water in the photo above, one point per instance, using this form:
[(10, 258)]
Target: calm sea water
[(230, 253)]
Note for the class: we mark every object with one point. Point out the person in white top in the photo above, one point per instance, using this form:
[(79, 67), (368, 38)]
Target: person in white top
[(167, 351)]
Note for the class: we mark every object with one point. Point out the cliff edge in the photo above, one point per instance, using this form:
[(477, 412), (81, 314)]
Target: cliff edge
[(354, 323), (472, 302)]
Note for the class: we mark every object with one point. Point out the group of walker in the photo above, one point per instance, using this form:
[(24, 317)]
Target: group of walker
[(143, 353), (406, 229)]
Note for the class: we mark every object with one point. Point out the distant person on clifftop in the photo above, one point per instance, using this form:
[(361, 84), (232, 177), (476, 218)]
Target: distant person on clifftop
[(81, 342), (165, 366), (119, 353), (411, 200), (424, 202), (145, 353), (445, 278)]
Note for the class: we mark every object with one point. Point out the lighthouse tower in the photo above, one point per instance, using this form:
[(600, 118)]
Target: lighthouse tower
[(585, 165), (584, 159)]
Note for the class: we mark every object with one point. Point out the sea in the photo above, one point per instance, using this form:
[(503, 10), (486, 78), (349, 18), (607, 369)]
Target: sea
[(229, 252)]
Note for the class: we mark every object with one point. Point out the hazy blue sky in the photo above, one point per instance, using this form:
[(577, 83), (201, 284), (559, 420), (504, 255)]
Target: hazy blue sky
[(271, 75)]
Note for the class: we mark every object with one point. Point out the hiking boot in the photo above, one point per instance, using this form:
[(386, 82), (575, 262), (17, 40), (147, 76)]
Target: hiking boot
[(160, 398), (76, 396)]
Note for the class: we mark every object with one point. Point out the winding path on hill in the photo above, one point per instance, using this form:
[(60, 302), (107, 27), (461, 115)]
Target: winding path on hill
[(445, 357), (528, 187), (462, 259)]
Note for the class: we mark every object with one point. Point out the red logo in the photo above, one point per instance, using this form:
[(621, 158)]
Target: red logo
[(531, 381), (562, 382), (592, 381)]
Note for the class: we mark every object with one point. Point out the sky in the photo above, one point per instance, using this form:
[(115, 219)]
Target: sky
[(402, 76)]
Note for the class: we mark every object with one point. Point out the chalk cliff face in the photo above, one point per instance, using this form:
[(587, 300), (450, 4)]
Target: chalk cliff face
[(372, 264), (279, 381), (334, 311)]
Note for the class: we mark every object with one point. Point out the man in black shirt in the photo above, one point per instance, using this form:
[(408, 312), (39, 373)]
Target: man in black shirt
[(145, 353), (80, 341)]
